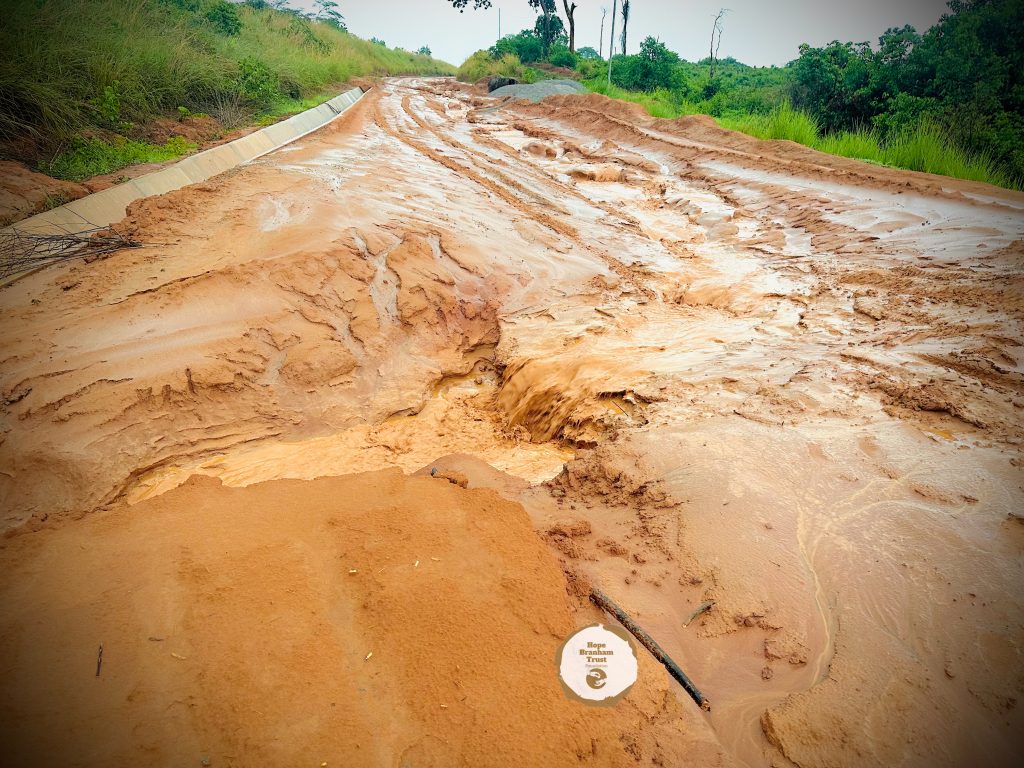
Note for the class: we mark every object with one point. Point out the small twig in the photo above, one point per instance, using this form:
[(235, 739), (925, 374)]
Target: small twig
[(707, 605), (99, 660)]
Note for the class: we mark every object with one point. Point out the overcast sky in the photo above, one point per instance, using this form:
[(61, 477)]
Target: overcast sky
[(758, 32)]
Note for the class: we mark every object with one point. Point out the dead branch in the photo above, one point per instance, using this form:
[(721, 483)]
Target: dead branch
[(22, 252)]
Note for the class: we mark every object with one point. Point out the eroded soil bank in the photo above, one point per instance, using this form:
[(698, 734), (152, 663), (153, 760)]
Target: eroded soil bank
[(702, 368)]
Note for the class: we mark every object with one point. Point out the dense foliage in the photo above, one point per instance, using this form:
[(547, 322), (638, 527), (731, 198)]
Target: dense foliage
[(965, 74), (950, 100), (655, 66)]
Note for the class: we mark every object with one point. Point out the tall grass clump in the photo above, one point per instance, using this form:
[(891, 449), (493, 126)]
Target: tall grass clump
[(925, 147), (77, 70), (482, 65), (91, 157), (658, 103)]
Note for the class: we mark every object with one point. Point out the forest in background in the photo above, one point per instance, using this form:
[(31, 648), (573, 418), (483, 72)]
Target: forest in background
[(948, 101)]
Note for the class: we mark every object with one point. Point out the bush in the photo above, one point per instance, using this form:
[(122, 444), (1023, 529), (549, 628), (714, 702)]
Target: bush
[(256, 81), (482, 65), (108, 107), (525, 46), (591, 68), (654, 67), (224, 17), (561, 56)]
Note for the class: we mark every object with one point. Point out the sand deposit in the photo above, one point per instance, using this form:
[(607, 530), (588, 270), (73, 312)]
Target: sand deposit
[(681, 363)]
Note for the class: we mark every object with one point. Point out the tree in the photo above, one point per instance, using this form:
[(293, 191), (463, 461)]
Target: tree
[(588, 53), (327, 12), (716, 27), (570, 14), (546, 23), (425, 51), (654, 67), (549, 16), (526, 45), (834, 84), (625, 24), (611, 42), (550, 31), (604, 13)]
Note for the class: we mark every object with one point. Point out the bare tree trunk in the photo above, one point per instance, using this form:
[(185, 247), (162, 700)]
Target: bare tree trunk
[(570, 12), (611, 42), (711, 55), (547, 29), (717, 27), (625, 24), (600, 43)]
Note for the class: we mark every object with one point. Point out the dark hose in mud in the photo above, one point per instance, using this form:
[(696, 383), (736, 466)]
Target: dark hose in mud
[(605, 603)]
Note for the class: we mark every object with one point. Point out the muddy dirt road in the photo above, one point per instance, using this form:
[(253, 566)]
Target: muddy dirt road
[(708, 368)]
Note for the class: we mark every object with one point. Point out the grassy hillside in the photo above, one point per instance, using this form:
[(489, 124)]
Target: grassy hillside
[(79, 79)]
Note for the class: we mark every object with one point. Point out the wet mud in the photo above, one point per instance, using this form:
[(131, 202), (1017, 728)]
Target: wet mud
[(667, 359)]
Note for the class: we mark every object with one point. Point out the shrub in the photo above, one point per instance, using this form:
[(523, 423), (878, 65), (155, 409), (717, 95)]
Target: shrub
[(654, 67), (108, 107), (561, 56), (256, 81), (526, 46), (224, 17)]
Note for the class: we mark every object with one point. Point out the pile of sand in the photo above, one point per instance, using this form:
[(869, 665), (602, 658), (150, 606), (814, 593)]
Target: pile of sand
[(372, 619)]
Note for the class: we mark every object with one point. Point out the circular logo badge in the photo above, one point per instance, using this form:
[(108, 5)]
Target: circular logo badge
[(598, 665)]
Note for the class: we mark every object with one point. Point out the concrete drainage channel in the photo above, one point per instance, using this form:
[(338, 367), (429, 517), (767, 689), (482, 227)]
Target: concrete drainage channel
[(104, 208)]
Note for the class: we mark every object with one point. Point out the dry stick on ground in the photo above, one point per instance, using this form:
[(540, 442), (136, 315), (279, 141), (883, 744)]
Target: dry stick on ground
[(707, 605), (24, 251), (604, 602)]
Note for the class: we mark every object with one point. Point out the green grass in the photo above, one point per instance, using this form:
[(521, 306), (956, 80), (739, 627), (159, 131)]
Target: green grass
[(481, 65), (925, 148), (92, 157), (286, 107), (783, 122), (105, 67)]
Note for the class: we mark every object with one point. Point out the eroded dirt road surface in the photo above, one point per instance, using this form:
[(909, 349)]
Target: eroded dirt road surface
[(710, 369)]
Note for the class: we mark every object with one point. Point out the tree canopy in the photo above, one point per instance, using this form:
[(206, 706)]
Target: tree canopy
[(966, 74), (653, 67)]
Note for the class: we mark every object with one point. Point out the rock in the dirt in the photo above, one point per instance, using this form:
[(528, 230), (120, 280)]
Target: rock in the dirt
[(453, 477), (500, 82), (571, 529)]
